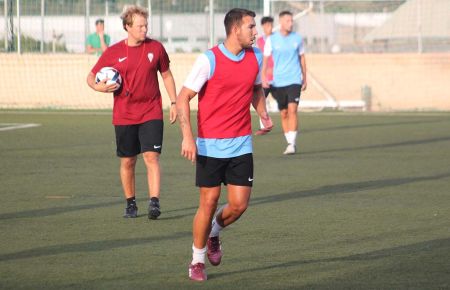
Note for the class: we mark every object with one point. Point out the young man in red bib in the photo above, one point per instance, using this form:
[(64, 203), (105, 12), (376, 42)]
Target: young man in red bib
[(137, 111), (227, 79)]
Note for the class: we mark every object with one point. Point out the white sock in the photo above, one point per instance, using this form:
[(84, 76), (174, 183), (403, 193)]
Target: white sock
[(292, 137), (215, 228), (286, 135), (198, 255), (261, 126)]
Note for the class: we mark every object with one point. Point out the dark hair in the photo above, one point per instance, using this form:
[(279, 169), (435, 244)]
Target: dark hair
[(266, 19), (99, 21), (285, 12), (234, 17)]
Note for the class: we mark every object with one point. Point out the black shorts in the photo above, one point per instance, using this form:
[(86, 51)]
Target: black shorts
[(267, 91), (286, 95), (134, 139), (212, 172)]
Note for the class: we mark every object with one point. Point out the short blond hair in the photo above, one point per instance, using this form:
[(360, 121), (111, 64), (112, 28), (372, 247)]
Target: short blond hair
[(129, 11)]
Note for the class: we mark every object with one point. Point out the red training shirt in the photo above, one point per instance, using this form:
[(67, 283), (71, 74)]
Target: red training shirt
[(224, 101), (260, 42), (138, 67)]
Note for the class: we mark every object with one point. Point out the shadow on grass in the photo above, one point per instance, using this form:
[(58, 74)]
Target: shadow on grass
[(65, 209), (327, 190), (361, 126), (94, 246), (324, 190), (438, 246), (46, 148), (345, 188), (378, 146), (371, 125), (55, 210)]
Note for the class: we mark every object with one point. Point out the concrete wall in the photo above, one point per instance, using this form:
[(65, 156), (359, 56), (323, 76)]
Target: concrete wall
[(398, 82)]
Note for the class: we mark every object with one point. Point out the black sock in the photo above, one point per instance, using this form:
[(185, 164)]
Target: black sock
[(131, 200), (154, 199)]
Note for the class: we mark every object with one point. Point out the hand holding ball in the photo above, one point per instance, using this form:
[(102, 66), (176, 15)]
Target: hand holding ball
[(110, 74)]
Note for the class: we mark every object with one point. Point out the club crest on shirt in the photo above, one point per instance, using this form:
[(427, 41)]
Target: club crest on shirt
[(150, 56)]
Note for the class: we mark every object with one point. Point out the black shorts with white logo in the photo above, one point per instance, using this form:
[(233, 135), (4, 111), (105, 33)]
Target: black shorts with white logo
[(286, 95), (134, 139), (212, 172)]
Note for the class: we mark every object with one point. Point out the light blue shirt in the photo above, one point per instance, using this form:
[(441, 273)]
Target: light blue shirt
[(212, 60), (226, 147), (285, 51)]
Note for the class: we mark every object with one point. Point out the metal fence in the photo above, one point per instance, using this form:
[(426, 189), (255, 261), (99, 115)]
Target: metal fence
[(328, 26), (63, 25)]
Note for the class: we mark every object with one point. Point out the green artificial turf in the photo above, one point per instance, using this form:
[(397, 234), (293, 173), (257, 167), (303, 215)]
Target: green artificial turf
[(365, 204)]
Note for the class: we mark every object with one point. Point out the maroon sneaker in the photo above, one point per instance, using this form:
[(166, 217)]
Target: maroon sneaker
[(214, 251), (197, 272)]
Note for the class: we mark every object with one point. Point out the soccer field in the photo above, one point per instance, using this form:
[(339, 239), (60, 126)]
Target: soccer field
[(364, 205)]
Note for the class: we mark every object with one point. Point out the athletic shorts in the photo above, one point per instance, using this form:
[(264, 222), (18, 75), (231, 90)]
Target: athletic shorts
[(286, 95), (267, 91), (134, 139), (212, 172)]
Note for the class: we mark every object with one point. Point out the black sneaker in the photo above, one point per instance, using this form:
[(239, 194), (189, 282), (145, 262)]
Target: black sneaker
[(131, 211), (154, 210)]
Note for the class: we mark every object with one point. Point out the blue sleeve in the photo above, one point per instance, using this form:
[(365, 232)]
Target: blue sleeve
[(212, 62), (259, 56), (300, 44)]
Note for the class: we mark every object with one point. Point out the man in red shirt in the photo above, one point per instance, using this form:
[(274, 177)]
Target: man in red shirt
[(227, 79), (137, 111)]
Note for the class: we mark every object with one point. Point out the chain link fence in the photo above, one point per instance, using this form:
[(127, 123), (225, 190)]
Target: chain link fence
[(377, 55), (371, 26), (50, 26)]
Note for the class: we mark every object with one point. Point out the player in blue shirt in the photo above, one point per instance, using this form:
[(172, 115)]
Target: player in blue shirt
[(289, 75)]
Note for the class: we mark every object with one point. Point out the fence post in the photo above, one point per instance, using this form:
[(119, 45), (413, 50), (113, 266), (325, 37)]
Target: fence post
[(150, 18), (211, 23), (266, 8), (419, 27), (19, 48), (42, 24), (86, 22), (366, 96), (5, 6), (161, 23), (322, 29)]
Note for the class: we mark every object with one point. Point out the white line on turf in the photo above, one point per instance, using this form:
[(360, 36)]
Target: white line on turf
[(15, 126)]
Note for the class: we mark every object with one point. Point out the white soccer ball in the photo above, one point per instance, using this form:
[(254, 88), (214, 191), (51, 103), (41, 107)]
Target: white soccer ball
[(109, 73)]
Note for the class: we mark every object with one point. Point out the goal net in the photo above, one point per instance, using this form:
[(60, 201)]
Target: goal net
[(355, 49)]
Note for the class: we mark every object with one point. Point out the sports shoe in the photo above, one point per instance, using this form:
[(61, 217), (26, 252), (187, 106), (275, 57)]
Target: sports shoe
[(290, 149), (214, 252), (197, 272), (154, 210), (131, 211)]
